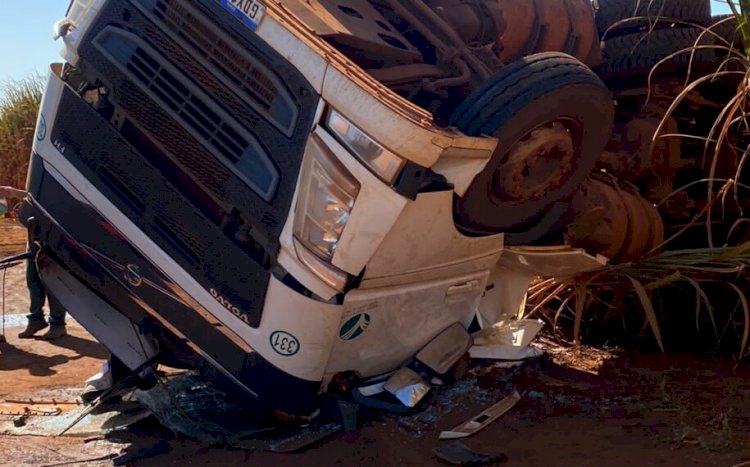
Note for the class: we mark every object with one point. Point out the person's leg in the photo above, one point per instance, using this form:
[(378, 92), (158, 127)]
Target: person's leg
[(56, 320), (37, 294)]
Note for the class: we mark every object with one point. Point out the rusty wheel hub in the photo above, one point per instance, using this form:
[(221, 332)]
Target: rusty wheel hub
[(538, 163)]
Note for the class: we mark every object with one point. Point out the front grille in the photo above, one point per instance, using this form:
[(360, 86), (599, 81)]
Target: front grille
[(207, 169), (144, 195), (241, 69), (191, 107)]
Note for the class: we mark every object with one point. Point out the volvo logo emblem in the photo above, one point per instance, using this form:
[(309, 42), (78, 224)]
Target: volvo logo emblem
[(41, 128), (133, 275)]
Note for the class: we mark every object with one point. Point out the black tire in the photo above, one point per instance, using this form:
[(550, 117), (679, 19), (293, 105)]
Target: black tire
[(609, 12), (521, 97), (636, 54), (725, 26)]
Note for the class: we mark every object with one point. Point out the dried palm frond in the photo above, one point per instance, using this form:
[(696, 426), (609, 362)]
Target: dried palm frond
[(726, 266), (709, 274)]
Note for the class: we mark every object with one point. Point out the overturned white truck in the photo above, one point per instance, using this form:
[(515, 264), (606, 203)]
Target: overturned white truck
[(289, 190)]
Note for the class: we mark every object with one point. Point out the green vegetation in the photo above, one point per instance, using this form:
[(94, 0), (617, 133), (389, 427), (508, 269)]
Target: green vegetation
[(741, 11), (19, 105), (705, 286)]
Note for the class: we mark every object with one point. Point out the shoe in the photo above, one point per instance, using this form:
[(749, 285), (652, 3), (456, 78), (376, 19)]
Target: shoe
[(55, 331), (32, 328)]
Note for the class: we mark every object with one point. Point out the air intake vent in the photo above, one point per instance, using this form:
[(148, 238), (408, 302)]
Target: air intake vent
[(240, 69), (194, 110)]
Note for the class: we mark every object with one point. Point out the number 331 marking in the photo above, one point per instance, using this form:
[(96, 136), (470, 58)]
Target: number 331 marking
[(284, 343)]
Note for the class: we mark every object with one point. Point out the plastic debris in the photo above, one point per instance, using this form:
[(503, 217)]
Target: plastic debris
[(374, 386), (457, 453), (507, 341), (191, 405), (516, 333), (344, 412), (504, 352), (292, 439), (408, 387), (20, 420), (445, 349), (477, 423)]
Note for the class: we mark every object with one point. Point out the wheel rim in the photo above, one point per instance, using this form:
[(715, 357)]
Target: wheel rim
[(541, 161)]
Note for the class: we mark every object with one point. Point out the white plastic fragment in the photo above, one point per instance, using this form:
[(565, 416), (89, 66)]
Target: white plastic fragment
[(408, 387), (477, 423), (445, 349), (507, 341), (504, 352)]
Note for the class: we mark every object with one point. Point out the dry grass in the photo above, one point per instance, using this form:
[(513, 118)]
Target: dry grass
[(19, 106), (610, 288), (716, 277)]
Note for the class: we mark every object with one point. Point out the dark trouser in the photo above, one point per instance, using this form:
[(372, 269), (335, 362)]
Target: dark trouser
[(37, 295)]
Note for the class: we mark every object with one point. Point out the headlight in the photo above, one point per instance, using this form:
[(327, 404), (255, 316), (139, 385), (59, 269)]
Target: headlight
[(384, 163), (325, 200)]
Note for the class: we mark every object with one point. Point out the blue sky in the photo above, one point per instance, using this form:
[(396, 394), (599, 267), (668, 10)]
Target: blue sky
[(719, 7), (26, 44)]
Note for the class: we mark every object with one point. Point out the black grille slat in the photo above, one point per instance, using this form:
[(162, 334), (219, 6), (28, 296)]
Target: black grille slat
[(170, 235), (124, 186), (167, 218), (124, 191), (169, 137)]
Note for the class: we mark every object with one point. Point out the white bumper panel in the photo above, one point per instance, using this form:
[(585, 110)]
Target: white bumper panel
[(314, 324), (383, 328), (506, 290), (424, 238)]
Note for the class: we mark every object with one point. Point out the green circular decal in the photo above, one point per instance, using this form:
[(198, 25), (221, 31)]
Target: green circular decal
[(354, 326), (41, 128), (284, 343)]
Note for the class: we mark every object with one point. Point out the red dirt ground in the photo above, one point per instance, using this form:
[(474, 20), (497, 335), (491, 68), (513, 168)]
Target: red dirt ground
[(582, 407), (12, 237), (674, 410)]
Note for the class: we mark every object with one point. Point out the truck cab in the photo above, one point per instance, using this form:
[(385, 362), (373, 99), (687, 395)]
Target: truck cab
[(274, 189)]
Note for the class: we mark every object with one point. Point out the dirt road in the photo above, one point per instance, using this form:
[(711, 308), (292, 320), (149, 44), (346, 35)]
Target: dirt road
[(579, 408), (12, 237), (650, 410)]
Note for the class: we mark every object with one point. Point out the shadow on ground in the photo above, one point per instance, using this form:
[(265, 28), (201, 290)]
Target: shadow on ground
[(13, 358), (583, 408), (81, 346)]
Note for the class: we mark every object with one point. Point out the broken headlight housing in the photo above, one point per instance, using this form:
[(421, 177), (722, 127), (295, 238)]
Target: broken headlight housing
[(77, 9), (325, 201), (382, 162)]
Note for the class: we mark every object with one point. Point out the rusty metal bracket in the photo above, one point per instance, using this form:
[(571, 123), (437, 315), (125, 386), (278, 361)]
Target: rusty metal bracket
[(27, 412), (13, 260)]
